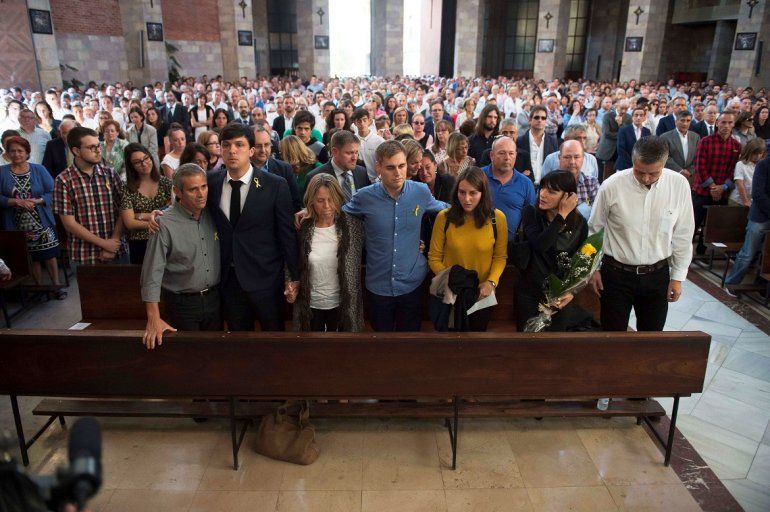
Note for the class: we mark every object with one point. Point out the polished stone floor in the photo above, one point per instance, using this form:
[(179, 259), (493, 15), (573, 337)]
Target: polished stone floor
[(371, 465)]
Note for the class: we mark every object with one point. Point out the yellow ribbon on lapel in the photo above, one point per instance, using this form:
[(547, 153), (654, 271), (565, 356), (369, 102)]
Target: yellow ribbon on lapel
[(257, 183), (416, 210)]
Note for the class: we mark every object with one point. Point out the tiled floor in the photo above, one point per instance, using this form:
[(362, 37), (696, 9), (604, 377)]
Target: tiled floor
[(372, 465)]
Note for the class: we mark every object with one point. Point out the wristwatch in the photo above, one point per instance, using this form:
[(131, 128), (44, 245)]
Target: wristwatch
[(494, 284)]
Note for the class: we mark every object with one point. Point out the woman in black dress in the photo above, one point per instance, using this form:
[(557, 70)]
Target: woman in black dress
[(555, 231)]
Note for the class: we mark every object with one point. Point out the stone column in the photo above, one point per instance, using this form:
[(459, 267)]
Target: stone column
[(134, 16), (719, 64), (604, 37), (46, 51), (469, 41), (743, 62), (645, 65), (261, 42), (237, 60), (552, 65), (312, 60), (387, 37)]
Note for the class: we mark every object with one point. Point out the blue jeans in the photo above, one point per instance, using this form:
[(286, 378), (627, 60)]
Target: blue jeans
[(751, 247)]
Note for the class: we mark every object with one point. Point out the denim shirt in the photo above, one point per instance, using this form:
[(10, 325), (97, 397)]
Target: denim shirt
[(394, 264)]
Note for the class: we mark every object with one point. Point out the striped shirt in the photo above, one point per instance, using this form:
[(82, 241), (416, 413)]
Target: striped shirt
[(94, 201)]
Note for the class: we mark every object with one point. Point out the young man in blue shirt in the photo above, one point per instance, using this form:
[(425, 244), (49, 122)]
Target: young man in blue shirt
[(392, 211)]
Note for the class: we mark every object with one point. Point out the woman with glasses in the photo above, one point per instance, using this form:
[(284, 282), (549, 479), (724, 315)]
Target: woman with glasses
[(112, 148), (418, 125), (457, 155), (26, 200), (210, 140), (146, 190)]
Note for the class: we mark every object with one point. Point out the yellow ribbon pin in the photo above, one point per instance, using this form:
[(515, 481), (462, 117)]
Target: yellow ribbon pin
[(416, 210), (216, 235), (257, 183)]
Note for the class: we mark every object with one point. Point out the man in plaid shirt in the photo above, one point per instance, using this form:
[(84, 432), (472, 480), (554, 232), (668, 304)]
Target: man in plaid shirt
[(571, 157), (714, 164), (87, 199)]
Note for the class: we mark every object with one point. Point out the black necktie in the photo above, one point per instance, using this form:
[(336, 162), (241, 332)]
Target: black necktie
[(170, 114), (235, 202), (711, 130)]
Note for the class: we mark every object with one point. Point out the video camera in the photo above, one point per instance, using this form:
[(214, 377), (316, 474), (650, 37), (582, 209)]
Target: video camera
[(71, 485)]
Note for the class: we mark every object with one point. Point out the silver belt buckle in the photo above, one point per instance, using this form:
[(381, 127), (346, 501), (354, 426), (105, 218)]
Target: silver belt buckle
[(203, 292)]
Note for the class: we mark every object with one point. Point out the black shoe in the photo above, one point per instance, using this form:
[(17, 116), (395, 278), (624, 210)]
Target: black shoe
[(700, 250)]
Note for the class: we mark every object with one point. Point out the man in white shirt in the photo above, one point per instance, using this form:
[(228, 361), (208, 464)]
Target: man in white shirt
[(647, 216), (369, 141), (36, 136)]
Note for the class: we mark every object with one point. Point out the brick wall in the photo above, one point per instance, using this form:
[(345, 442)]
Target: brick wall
[(96, 17), (191, 20)]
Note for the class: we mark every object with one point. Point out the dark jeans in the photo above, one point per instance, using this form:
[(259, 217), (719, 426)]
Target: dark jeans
[(324, 320), (646, 293), (440, 313), (136, 250), (193, 312), (242, 308), (699, 203), (401, 313)]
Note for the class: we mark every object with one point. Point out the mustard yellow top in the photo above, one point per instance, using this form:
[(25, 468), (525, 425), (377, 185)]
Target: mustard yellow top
[(470, 247)]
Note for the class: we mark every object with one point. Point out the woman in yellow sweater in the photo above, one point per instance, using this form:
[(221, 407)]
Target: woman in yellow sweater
[(473, 235)]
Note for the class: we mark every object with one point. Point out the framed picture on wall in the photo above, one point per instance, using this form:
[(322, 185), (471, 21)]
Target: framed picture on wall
[(545, 45), (634, 44), (245, 38), (155, 31), (40, 21), (745, 40), (321, 42)]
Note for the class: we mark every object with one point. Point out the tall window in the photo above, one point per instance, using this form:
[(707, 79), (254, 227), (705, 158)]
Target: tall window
[(521, 35), (282, 26), (576, 36)]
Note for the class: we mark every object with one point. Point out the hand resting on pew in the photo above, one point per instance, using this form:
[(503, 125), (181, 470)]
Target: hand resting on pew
[(156, 327)]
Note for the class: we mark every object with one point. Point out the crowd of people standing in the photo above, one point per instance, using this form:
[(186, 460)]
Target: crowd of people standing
[(278, 189)]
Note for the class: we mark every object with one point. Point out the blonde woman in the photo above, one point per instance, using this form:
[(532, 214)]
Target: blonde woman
[(403, 130), (210, 140), (400, 116), (457, 159), (439, 146), (413, 158), (300, 157), (330, 245)]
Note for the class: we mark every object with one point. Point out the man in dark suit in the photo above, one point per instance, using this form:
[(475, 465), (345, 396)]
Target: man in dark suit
[(262, 159), (681, 146), (668, 123), (709, 124), (285, 121), (58, 156), (253, 213), (536, 143), (342, 164), (175, 112), (606, 151), (627, 137)]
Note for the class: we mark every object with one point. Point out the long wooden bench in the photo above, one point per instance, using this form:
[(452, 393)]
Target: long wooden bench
[(723, 233), (110, 298), (569, 370)]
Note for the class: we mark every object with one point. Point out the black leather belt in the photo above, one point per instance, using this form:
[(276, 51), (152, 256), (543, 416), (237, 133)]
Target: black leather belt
[(201, 293), (634, 269)]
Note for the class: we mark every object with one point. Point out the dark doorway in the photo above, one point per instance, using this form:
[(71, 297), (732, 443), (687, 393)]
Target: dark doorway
[(446, 66)]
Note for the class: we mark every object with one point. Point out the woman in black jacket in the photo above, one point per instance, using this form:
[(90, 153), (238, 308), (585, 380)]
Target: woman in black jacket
[(555, 231)]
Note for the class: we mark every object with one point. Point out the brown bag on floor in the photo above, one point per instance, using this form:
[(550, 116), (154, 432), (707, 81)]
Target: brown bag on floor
[(288, 436)]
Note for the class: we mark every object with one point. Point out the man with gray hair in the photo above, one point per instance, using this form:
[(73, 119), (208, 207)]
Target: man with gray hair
[(647, 217), (181, 265), (577, 132)]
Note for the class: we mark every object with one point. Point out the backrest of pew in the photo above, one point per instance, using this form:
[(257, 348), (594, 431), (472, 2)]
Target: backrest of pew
[(383, 365), (725, 224), (13, 250), (110, 292), (120, 285), (765, 256)]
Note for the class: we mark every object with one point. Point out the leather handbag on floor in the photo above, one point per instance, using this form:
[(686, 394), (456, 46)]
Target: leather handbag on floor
[(288, 436)]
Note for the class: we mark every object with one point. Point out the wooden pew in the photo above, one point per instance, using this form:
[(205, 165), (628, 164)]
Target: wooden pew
[(724, 232), (110, 298), (13, 250), (560, 367)]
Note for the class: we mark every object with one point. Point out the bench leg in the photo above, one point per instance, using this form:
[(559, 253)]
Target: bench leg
[(19, 430), (671, 430), (62, 422), (237, 439), (4, 307), (452, 427)]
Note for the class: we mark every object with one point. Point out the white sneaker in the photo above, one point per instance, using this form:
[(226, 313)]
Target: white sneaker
[(730, 292)]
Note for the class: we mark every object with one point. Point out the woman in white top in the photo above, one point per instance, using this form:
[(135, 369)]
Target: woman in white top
[(752, 152), (177, 141), (469, 106), (593, 131), (201, 116), (329, 296)]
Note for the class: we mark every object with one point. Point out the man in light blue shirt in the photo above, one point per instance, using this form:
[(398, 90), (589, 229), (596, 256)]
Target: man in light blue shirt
[(573, 132), (392, 211), (606, 106)]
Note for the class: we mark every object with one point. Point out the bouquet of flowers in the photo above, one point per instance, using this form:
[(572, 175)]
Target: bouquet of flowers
[(572, 276)]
